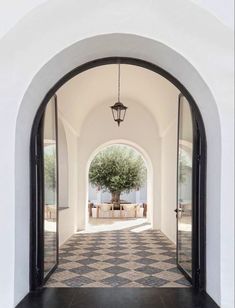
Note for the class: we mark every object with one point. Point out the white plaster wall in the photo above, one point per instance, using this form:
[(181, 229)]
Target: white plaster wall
[(34, 57), (12, 11), (62, 165), (67, 217), (223, 10), (169, 171)]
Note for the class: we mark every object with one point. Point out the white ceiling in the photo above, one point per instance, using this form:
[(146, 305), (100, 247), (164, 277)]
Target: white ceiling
[(98, 86)]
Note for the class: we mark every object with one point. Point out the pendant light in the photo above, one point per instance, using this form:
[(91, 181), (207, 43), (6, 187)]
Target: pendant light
[(118, 109)]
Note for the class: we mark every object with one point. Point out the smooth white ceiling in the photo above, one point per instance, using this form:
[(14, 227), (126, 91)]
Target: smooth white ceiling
[(98, 86)]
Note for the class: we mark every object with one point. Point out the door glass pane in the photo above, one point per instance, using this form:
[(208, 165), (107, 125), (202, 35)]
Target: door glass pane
[(50, 188), (185, 187)]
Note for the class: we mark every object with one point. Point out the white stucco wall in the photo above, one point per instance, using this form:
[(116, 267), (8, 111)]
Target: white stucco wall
[(169, 168), (34, 56), (68, 217), (12, 11), (63, 165)]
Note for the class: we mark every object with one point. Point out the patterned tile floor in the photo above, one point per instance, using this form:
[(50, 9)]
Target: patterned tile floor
[(120, 258)]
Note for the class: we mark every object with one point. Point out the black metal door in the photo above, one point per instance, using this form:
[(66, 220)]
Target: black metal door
[(188, 193), (45, 171)]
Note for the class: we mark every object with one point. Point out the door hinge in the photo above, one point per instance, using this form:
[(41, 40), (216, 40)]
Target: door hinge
[(198, 271), (199, 157)]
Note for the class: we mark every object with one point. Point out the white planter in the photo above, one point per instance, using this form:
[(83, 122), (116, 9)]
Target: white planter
[(140, 212), (94, 212)]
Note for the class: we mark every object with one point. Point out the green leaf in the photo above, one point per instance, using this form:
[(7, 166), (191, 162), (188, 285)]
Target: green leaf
[(118, 168)]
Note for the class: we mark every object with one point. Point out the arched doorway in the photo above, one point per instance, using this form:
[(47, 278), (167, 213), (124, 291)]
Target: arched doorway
[(197, 249), (147, 161)]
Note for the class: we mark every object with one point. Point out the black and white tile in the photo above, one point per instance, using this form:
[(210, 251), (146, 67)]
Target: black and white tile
[(119, 258)]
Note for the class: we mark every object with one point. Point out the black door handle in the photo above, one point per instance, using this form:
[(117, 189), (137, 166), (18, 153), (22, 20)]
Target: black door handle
[(178, 210)]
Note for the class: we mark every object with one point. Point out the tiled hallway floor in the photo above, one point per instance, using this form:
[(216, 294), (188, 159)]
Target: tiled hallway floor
[(120, 258)]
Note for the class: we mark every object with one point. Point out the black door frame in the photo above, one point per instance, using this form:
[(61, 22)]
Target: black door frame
[(199, 197), (37, 278)]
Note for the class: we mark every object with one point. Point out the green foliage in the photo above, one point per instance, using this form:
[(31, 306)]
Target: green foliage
[(184, 165), (117, 169), (49, 170)]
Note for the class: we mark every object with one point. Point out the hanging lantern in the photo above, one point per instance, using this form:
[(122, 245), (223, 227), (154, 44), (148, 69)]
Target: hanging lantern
[(118, 109), (119, 112)]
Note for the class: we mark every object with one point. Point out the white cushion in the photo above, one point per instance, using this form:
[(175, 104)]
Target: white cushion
[(105, 207), (129, 207)]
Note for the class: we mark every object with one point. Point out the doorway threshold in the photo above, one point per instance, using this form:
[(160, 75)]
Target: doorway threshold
[(117, 297)]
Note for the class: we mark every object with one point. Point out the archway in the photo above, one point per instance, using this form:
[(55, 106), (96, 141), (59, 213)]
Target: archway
[(148, 164), (156, 53), (199, 155)]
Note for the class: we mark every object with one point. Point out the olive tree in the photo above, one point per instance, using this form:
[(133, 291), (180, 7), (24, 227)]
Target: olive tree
[(117, 169)]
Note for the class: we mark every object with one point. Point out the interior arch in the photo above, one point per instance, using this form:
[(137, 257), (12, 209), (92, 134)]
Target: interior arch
[(198, 281), (145, 158)]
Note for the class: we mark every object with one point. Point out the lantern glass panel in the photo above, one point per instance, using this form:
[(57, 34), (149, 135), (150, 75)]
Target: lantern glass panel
[(119, 113), (114, 112), (122, 115)]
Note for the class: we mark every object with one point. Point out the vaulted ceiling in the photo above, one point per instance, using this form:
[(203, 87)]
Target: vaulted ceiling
[(98, 86)]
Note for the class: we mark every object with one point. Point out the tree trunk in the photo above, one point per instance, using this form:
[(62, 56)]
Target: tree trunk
[(116, 199)]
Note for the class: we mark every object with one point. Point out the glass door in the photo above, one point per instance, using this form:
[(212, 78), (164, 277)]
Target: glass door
[(44, 196), (185, 189), (50, 189)]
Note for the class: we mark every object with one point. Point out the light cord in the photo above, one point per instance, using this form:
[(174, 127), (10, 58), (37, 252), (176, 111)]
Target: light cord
[(119, 81)]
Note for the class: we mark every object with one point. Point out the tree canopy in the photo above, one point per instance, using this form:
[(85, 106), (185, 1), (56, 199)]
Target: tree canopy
[(118, 168)]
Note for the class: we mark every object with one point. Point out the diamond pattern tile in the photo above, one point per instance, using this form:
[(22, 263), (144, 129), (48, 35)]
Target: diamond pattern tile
[(133, 275), (115, 269), (119, 258), (98, 275), (148, 270), (183, 281), (117, 254), (144, 253), (145, 261), (80, 270), (115, 281), (116, 261), (78, 281), (152, 281), (87, 261)]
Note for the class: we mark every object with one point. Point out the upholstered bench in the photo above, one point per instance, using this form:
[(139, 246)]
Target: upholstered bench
[(126, 211)]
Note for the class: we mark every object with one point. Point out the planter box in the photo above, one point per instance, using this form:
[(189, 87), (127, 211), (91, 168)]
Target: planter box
[(140, 212), (94, 212)]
